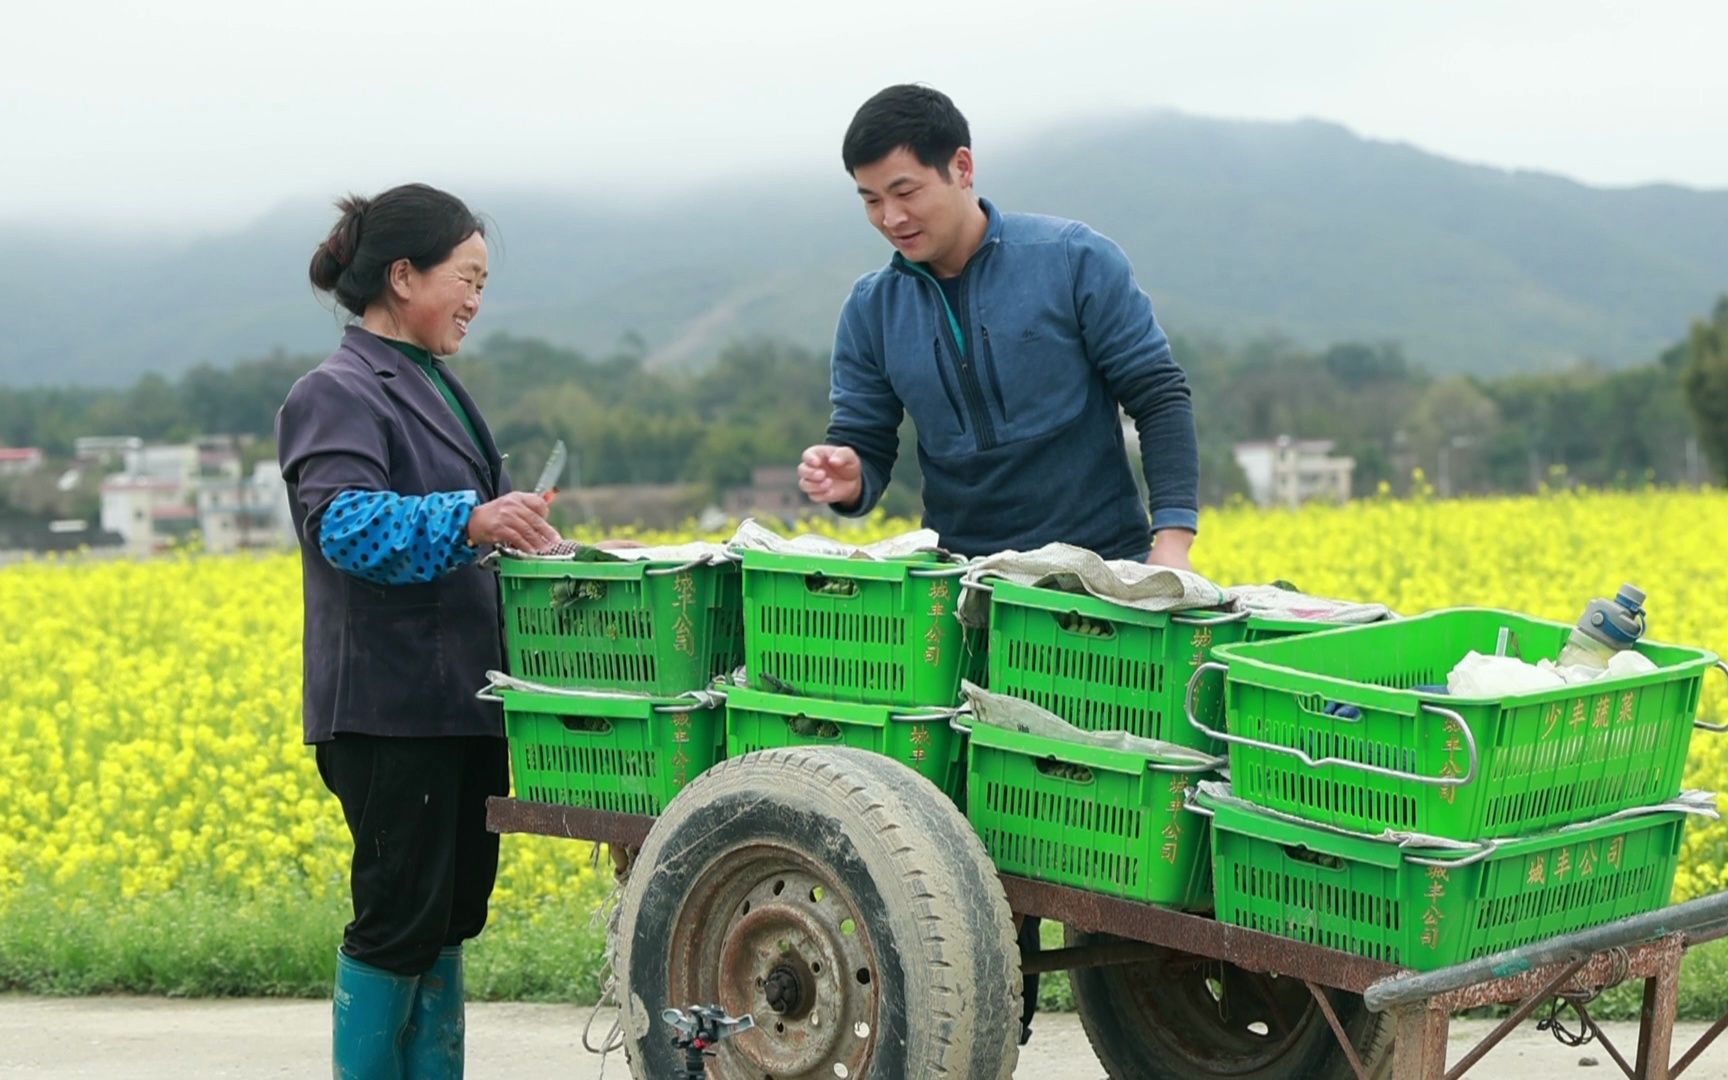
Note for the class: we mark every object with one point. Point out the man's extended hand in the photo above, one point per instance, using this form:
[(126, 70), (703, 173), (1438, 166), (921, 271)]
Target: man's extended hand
[(1170, 548), (517, 519), (832, 474)]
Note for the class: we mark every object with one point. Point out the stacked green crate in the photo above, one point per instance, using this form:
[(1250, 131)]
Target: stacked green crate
[(1107, 820), (863, 653), (1110, 821), (1102, 666), (923, 740), (1347, 732), (879, 632), (653, 627), (614, 649), (628, 755), (1430, 908), (1415, 760)]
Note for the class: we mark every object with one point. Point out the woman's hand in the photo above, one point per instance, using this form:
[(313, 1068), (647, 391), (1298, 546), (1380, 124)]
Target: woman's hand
[(516, 520)]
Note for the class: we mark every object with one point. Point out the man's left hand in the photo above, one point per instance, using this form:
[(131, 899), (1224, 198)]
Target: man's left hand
[(1170, 548)]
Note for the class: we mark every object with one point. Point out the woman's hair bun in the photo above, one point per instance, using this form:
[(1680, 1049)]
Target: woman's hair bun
[(337, 251)]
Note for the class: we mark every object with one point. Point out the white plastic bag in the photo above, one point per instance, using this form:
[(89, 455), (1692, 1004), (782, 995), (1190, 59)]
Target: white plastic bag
[(1629, 662), (1478, 676)]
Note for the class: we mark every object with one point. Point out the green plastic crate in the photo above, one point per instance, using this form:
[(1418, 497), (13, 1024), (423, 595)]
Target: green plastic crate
[(856, 630), (1104, 667), (1105, 820), (645, 627), (1372, 898), (627, 755), (1545, 759), (1266, 628), (922, 741)]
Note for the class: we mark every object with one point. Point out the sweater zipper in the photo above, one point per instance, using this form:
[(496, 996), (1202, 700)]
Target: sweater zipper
[(942, 376), (990, 370), (971, 388)]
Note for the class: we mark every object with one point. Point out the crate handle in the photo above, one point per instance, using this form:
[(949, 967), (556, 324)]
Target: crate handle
[(1684, 803), (1488, 848), (1722, 666), (1378, 770), (1197, 767), (1234, 616), (946, 571), (663, 571), (936, 717), (689, 701), (693, 701)]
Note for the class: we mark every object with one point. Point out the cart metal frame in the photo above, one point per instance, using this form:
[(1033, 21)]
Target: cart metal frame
[(1571, 968)]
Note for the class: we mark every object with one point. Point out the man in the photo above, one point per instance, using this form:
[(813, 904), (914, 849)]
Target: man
[(1012, 339)]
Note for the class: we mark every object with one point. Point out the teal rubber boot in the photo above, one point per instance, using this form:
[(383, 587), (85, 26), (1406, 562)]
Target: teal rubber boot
[(371, 1009), (432, 1049)]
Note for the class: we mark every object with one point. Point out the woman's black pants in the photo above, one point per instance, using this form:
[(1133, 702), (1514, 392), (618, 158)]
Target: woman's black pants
[(424, 864)]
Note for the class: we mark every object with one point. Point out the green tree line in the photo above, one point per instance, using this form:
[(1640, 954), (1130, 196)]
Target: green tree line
[(764, 400)]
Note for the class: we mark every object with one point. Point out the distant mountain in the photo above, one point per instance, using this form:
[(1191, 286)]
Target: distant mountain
[(1235, 228)]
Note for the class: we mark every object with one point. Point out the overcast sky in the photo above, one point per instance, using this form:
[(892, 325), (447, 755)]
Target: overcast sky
[(213, 111)]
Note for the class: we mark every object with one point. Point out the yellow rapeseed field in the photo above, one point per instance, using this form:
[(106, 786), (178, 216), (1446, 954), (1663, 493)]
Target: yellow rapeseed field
[(149, 712)]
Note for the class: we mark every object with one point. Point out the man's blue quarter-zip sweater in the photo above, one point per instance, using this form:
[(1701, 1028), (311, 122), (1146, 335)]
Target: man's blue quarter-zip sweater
[(1015, 393)]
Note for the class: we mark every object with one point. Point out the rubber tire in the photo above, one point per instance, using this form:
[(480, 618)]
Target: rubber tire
[(1130, 1047), (948, 975)]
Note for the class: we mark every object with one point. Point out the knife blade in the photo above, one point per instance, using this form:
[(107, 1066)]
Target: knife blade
[(547, 486)]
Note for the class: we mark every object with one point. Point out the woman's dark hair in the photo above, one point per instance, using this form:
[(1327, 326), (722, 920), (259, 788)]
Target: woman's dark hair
[(923, 120), (413, 222)]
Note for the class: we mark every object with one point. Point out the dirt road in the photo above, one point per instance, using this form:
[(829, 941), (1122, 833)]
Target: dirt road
[(164, 1039)]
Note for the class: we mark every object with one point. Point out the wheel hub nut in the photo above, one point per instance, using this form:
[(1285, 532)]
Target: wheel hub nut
[(782, 990)]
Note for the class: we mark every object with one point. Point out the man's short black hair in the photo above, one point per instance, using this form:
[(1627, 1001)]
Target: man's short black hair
[(919, 118)]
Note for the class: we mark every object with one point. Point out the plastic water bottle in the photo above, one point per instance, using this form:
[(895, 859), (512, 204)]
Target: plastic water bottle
[(1605, 628)]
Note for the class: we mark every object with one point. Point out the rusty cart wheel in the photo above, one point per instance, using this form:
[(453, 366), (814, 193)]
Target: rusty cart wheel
[(840, 900), (1184, 1017)]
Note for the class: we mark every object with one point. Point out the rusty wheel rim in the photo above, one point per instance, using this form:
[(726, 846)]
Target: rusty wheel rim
[(768, 932), (1232, 1020)]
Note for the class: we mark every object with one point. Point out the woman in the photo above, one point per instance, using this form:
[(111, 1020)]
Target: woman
[(396, 488)]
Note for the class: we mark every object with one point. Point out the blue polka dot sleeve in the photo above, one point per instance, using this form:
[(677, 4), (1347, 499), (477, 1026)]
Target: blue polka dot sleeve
[(396, 539)]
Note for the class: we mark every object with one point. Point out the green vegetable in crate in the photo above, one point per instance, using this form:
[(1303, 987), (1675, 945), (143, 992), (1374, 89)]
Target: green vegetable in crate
[(573, 590), (1065, 770), (779, 686), (1080, 624), (811, 728), (595, 724), (836, 586)]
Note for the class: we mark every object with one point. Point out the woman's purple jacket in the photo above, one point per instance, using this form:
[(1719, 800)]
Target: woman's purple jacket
[(401, 660)]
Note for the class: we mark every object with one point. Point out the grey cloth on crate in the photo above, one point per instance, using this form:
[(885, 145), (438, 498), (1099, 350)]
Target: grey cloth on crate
[(757, 537), (1274, 602), (1015, 714), (1076, 570)]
